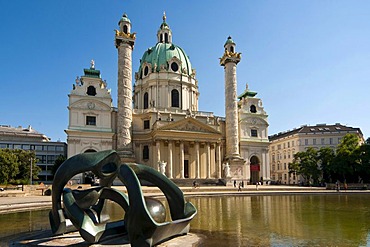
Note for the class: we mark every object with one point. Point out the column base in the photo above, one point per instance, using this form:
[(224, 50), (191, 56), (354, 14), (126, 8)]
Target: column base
[(126, 155), (237, 169)]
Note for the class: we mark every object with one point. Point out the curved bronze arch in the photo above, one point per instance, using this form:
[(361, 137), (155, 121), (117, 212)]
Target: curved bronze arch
[(142, 229)]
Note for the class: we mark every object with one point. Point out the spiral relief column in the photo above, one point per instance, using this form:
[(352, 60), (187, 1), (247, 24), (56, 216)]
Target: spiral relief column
[(229, 61), (124, 42)]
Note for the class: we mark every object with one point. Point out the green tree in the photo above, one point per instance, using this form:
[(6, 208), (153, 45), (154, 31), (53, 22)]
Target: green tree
[(25, 159), (364, 158), (57, 163), (346, 164), (15, 166), (306, 164), (326, 157), (8, 165)]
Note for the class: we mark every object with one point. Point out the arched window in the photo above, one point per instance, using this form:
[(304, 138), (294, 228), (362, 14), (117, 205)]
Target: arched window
[(146, 70), (232, 48), (166, 38), (175, 99), (254, 160), (174, 67), (91, 91), (125, 29), (146, 100), (253, 109)]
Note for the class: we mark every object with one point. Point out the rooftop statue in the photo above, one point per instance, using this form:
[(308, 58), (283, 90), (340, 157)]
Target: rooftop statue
[(142, 224)]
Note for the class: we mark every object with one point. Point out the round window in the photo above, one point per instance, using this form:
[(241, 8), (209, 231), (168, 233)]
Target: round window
[(174, 67), (146, 71)]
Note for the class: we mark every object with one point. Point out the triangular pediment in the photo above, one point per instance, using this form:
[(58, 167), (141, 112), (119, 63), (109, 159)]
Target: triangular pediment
[(189, 125)]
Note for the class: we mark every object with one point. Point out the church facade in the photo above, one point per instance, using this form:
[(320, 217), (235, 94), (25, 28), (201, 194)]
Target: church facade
[(157, 121)]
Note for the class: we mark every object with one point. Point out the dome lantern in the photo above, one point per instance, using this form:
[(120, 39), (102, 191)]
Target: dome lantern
[(164, 33), (124, 24)]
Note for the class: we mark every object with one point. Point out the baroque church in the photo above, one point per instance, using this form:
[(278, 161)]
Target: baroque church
[(157, 121)]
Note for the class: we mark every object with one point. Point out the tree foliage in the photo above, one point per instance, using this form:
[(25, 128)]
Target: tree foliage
[(15, 166), (305, 164), (349, 162), (57, 163)]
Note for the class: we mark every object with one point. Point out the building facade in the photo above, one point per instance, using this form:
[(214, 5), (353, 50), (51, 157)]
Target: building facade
[(158, 121), (284, 145), (254, 142), (30, 140)]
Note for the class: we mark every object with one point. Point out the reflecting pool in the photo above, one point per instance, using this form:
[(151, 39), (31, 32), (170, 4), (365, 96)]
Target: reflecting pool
[(284, 220), (274, 220)]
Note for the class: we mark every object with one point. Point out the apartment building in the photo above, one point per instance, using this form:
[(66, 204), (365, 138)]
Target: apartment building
[(29, 139), (284, 145)]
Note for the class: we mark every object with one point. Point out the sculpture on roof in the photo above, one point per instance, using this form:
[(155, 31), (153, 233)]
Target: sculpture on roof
[(144, 219)]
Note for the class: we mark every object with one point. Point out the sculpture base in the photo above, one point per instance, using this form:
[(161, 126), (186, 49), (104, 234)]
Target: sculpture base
[(45, 238)]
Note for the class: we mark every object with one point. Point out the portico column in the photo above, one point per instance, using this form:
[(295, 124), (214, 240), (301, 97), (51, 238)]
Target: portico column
[(208, 160), (141, 152), (181, 160), (218, 162), (170, 159), (158, 145), (267, 164), (197, 160)]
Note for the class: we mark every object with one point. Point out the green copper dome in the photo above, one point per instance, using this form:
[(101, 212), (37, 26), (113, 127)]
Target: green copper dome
[(229, 41), (124, 18), (161, 54)]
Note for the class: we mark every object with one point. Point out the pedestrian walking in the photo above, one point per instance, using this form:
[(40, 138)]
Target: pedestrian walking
[(240, 186)]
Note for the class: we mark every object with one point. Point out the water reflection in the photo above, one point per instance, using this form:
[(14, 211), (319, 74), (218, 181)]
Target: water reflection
[(284, 220)]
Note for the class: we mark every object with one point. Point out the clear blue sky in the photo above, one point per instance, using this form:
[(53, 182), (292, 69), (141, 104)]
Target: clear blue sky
[(309, 61)]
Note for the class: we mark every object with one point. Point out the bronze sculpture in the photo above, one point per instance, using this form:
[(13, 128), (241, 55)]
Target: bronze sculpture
[(141, 225)]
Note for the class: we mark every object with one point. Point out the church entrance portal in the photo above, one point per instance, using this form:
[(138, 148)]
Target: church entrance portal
[(255, 169)]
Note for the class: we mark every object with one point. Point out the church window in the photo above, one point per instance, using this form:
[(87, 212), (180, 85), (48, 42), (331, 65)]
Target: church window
[(175, 99), (166, 38), (146, 152), (232, 48), (146, 124), (253, 109), (90, 120), (146, 70), (146, 100), (174, 67), (125, 29), (254, 133), (91, 91)]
